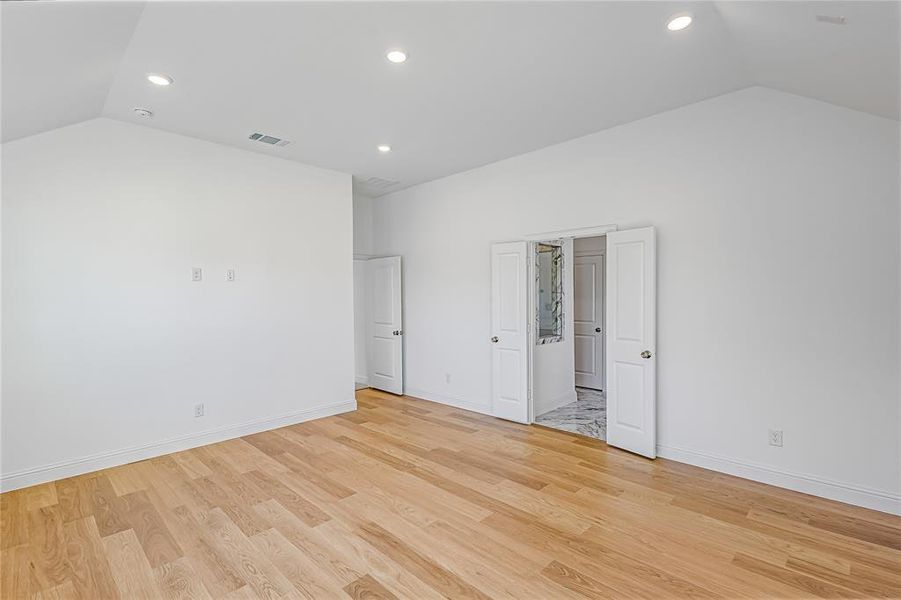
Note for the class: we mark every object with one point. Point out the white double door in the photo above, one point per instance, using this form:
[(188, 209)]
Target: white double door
[(631, 324), (384, 324)]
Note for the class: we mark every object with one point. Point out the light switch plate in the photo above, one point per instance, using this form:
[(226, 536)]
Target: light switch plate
[(196, 274)]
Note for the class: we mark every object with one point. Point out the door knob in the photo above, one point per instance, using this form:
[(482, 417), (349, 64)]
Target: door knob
[(495, 339), (646, 354), (397, 332), (597, 329)]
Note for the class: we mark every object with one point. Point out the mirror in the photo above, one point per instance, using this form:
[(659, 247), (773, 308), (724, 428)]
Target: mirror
[(549, 282)]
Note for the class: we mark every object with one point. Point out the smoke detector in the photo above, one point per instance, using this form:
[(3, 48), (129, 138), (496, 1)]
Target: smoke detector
[(269, 140), (144, 113)]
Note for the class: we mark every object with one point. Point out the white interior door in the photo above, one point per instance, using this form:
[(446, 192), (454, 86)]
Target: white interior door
[(509, 331), (385, 347), (631, 341), (588, 326)]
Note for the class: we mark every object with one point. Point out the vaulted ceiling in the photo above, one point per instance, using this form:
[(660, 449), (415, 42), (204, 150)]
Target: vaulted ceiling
[(484, 80)]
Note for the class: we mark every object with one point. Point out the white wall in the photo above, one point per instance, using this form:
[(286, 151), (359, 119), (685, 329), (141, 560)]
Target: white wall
[(108, 344), (778, 224), (361, 365), (362, 207)]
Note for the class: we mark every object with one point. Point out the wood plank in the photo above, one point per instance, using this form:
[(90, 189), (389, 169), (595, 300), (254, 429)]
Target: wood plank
[(422, 567), (576, 581), (47, 542), (367, 588), (132, 573), (178, 581), (265, 579), (90, 571), (308, 580), (109, 511), (155, 538)]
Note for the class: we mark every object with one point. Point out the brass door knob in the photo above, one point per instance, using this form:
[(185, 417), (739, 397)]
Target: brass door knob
[(646, 354)]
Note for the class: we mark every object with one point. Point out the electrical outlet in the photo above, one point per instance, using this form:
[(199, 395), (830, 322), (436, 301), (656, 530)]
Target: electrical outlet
[(230, 275), (196, 274), (198, 410), (776, 437)]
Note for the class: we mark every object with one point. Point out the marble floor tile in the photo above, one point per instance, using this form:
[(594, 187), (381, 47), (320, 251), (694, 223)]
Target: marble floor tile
[(587, 415)]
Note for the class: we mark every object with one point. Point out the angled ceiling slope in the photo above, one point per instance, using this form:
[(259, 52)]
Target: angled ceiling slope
[(58, 60), (484, 80)]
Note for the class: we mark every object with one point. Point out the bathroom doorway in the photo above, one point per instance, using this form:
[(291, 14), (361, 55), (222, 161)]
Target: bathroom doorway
[(586, 414)]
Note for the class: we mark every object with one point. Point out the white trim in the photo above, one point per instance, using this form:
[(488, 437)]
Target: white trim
[(361, 379), (104, 460), (579, 232), (884, 501), (484, 409), (542, 407)]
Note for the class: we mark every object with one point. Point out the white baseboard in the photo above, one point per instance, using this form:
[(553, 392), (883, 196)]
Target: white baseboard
[(543, 405), (816, 486), (484, 409), (104, 460), (361, 380)]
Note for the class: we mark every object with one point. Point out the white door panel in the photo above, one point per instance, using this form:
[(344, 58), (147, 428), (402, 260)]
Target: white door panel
[(631, 325), (509, 334), (588, 324), (385, 348), (586, 356)]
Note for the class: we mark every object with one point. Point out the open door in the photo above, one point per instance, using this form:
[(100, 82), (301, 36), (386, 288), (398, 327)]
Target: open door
[(631, 341), (509, 331), (385, 347)]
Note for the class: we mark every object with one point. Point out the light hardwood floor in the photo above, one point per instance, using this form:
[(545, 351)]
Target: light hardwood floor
[(409, 499)]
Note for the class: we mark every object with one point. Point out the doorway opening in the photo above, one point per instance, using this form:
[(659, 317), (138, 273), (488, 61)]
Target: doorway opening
[(532, 337), (585, 408)]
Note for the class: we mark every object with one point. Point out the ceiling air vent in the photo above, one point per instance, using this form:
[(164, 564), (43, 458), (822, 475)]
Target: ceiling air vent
[(379, 184), (374, 186), (269, 140), (831, 19)]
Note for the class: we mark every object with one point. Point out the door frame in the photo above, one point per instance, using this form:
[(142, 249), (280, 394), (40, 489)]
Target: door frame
[(533, 239)]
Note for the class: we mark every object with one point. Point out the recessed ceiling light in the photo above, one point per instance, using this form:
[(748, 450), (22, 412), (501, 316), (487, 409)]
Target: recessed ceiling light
[(384, 148), (159, 79), (396, 56), (144, 113), (679, 22)]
